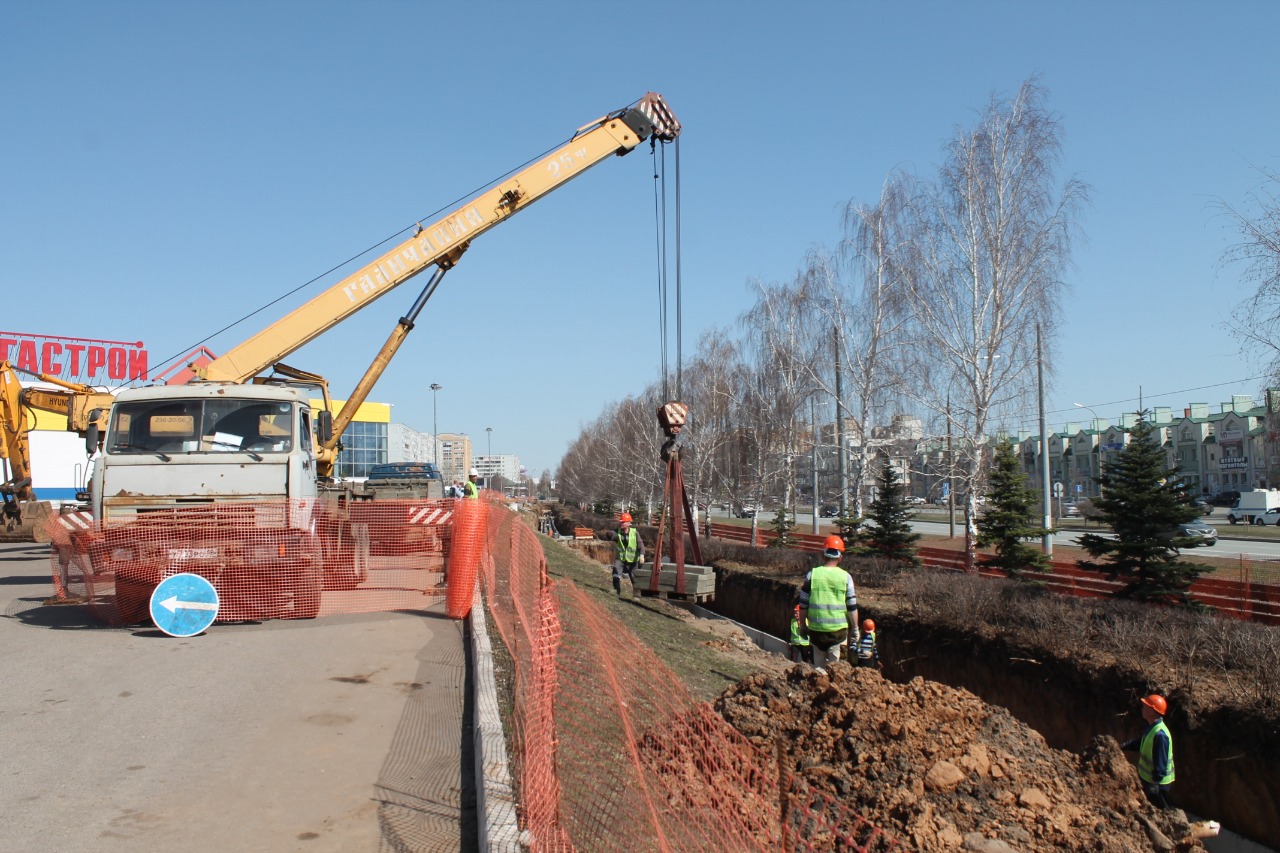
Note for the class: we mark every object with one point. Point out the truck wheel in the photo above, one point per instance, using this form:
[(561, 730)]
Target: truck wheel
[(1231, 518), (306, 594)]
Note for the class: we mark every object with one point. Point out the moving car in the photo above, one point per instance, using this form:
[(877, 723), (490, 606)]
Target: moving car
[(1070, 510), (829, 511), (745, 511), (1199, 530), (913, 500)]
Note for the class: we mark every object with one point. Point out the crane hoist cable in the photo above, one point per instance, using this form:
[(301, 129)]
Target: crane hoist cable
[(661, 230)]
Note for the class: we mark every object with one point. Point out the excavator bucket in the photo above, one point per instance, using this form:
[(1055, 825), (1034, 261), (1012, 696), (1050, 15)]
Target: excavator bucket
[(24, 521)]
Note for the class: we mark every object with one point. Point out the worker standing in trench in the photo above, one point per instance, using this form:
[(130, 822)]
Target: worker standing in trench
[(828, 605), (1155, 752)]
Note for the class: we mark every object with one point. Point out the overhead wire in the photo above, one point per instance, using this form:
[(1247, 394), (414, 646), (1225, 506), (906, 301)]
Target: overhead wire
[(452, 205)]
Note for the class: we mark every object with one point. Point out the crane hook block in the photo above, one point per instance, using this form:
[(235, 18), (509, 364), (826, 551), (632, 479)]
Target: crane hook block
[(672, 417)]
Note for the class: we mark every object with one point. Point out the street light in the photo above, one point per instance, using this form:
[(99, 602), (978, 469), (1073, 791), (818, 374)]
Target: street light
[(435, 426), (489, 431), (1096, 421)]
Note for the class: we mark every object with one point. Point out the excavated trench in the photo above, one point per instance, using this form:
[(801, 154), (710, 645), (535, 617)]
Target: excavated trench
[(1228, 763)]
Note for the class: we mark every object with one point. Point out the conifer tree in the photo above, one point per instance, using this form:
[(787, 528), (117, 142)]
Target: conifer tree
[(1010, 519), (890, 534), (1143, 501), (783, 525)]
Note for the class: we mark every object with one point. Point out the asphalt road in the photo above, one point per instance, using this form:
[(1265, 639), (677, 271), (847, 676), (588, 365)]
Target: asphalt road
[(1226, 547), (342, 733)]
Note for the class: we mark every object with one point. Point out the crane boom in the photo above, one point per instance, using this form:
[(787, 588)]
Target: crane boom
[(443, 242)]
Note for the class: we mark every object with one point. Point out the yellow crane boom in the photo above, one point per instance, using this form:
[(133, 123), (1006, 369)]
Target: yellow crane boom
[(442, 242)]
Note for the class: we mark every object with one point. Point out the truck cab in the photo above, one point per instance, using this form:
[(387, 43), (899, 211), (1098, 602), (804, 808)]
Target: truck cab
[(213, 442)]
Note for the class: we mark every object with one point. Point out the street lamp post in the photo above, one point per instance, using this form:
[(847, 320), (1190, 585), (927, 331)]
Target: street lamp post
[(435, 427), (1096, 421), (489, 474)]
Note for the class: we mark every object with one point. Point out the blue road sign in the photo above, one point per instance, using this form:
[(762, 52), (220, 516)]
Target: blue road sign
[(184, 605)]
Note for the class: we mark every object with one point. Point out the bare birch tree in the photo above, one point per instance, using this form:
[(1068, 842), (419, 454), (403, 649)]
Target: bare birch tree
[(1256, 321), (863, 314), (782, 341), (993, 239)]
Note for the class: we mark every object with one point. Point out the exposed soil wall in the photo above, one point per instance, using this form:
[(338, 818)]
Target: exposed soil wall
[(1228, 765)]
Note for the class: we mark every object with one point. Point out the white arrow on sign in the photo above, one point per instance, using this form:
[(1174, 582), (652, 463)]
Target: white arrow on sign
[(172, 604)]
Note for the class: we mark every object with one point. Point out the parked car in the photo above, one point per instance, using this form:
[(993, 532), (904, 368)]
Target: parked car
[(1224, 498), (1202, 506), (1070, 510), (1199, 530), (829, 511), (913, 500)]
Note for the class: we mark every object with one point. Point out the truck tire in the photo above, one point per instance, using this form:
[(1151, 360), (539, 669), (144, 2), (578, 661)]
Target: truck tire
[(306, 595)]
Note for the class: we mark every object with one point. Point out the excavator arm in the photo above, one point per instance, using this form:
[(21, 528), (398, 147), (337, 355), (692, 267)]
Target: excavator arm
[(442, 243), (84, 408)]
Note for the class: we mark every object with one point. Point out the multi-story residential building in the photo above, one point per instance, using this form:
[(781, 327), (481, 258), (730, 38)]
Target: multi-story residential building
[(507, 466), (455, 456), (406, 444)]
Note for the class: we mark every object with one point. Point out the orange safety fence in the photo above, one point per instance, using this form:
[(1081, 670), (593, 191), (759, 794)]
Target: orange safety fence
[(612, 752), (1240, 589), (267, 560)]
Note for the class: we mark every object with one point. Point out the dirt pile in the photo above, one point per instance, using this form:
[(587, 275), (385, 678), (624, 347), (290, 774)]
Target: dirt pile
[(941, 770)]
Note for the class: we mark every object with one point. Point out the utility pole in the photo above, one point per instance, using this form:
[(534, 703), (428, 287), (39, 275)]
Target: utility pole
[(844, 462), (951, 481), (1047, 541), (813, 421)]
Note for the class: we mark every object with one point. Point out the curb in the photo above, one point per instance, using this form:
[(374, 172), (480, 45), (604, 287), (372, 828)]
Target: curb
[(498, 829)]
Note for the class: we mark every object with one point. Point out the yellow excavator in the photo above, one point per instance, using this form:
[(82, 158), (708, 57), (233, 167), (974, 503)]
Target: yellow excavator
[(22, 514)]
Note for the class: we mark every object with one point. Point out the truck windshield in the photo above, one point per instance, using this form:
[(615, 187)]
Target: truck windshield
[(201, 426)]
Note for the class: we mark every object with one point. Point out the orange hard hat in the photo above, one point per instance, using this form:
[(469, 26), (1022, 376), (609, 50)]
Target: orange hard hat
[(833, 543), (626, 516), (1156, 703), (868, 625)]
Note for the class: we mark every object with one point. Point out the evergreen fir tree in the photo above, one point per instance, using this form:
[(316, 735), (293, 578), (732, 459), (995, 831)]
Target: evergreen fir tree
[(1143, 501), (851, 528), (891, 535), (1010, 518), (783, 525)]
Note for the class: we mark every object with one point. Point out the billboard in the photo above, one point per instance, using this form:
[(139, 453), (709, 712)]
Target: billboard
[(86, 361)]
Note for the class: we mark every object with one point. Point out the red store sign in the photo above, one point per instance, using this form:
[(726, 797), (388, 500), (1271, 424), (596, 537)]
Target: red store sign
[(83, 360)]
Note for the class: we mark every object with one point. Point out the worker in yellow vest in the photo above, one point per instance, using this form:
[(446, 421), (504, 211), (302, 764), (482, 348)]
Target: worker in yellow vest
[(1155, 752), (799, 639), (828, 605), (629, 553), (471, 489)]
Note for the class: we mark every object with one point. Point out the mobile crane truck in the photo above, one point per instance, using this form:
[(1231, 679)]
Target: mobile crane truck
[(224, 477)]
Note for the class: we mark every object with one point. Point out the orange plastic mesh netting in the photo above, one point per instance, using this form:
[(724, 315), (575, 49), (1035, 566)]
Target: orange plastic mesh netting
[(613, 753), (267, 560)]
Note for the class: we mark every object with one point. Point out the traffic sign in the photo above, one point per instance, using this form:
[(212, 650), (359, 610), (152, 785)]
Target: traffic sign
[(1079, 488), (1057, 490), (184, 605)]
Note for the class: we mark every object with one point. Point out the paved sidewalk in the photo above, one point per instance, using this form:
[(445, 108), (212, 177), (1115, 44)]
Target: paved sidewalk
[(344, 733)]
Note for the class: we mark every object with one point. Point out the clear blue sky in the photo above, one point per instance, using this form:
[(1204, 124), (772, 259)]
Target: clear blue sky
[(171, 166)]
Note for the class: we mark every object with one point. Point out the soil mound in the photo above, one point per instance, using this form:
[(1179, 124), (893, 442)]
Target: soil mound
[(940, 769)]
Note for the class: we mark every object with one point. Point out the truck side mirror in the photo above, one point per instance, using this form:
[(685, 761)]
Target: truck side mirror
[(324, 427), (92, 436)]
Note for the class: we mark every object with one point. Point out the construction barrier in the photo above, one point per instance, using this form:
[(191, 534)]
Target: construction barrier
[(266, 560), (611, 752), (1233, 591)]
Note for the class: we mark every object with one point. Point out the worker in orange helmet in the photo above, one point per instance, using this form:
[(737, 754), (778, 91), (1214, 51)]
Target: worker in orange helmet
[(828, 604), (1155, 752), (868, 650), (630, 553)]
